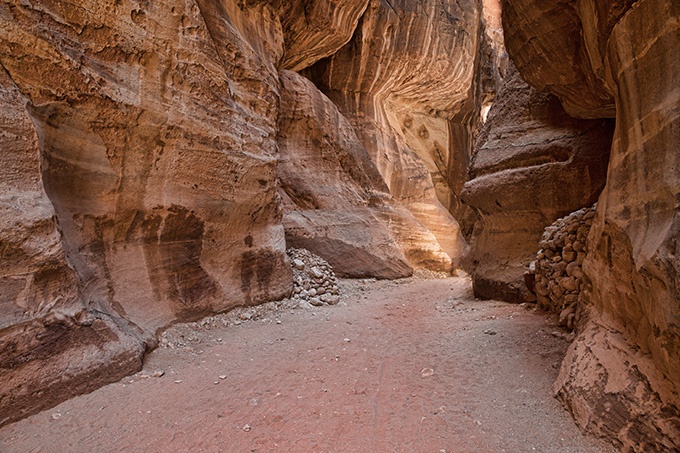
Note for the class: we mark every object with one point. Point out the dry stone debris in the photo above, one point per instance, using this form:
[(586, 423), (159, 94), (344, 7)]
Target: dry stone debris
[(314, 281), (557, 268)]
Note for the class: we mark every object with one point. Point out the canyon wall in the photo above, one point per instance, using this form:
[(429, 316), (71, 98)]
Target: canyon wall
[(333, 197), (407, 84), (621, 378), (532, 163), (145, 180), (159, 158)]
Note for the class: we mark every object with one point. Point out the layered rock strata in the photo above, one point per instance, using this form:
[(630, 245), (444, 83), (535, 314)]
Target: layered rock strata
[(46, 328), (141, 187), (410, 101), (334, 200), (151, 130), (545, 42), (622, 377), (315, 29), (532, 164)]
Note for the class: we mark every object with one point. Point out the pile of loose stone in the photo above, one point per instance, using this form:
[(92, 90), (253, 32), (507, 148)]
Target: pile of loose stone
[(557, 269), (313, 279)]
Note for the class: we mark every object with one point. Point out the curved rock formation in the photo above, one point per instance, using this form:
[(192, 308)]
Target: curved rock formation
[(144, 191), (45, 328), (315, 29), (159, 158), (334, 199), (156, 136), (532, 164), (622, 377), (405, 93), (545, 43)]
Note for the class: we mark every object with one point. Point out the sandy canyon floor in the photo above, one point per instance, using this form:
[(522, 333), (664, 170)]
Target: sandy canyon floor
[(416, 365)]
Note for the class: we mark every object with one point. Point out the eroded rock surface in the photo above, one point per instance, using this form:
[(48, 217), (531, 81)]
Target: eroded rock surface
[(335, 201), (314, 29), (155, 128), (545, 42), (141, 165), (140, 183), (139, 142), (532, 164), (45, 328), (630, 50), (404, 81), (617, 392)]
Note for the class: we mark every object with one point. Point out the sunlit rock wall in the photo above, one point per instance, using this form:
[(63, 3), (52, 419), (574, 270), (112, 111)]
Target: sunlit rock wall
[(143, 183), (335, 201), (406, 82), (141, 168)]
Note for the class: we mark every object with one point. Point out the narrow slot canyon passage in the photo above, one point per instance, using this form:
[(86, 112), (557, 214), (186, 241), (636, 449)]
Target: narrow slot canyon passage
[(412, 365), (340, 226)]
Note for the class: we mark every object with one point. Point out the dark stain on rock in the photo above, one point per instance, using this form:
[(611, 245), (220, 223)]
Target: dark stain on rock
[(297, 190), (248, 240), (257, 268), (173, 238)]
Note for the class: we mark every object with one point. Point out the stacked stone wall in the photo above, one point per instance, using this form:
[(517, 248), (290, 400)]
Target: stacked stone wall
[(558, 269)]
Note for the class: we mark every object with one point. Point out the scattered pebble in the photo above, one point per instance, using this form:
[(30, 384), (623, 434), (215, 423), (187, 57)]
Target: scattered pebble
[(426, 372), (247, 428), (153, 374)]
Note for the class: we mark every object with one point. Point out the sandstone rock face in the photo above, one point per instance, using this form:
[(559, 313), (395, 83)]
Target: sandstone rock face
[(532, 164), (544, 42), (152, 129), (314, 29), (634, 293), (335, 201), (45, 328), (140, 178), (616, 392), (137, 151), (405, 93)]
